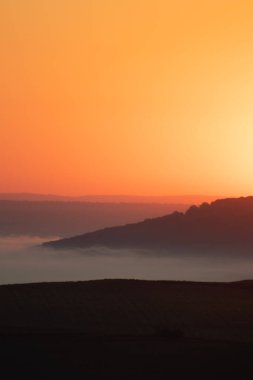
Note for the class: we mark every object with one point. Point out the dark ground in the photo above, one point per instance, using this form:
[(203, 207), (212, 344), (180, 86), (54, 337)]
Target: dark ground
[(74, 356), (122, 329)]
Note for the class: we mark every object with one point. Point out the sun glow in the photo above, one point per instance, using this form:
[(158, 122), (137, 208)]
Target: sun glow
[(141, 97)]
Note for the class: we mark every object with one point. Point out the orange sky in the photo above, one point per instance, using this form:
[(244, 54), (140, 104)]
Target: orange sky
[(132, 96)]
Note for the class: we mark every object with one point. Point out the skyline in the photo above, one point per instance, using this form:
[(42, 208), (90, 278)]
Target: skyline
[(186, 199), (132, 97)]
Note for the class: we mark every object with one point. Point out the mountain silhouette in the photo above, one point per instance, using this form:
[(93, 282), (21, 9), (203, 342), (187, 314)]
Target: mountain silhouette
[(224, 224)]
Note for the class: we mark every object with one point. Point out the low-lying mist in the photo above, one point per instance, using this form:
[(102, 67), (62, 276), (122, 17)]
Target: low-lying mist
[(22, 260)]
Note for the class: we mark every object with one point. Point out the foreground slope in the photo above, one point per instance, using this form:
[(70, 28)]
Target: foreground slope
[(118, 329), (224, 224), (221, 311)]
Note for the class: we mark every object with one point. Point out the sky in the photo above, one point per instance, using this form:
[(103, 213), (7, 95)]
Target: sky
[(137, 97)]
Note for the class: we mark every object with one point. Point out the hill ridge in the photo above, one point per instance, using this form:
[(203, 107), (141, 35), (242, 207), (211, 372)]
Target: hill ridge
[(225, 223)]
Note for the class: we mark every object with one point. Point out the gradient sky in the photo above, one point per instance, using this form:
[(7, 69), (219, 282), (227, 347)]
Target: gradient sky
[(131, 96)]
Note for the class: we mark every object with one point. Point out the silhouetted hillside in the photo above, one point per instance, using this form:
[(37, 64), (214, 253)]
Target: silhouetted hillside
[(223, 224), (70, 218)]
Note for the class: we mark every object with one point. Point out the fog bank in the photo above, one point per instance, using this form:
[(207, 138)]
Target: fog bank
[(23, 261)]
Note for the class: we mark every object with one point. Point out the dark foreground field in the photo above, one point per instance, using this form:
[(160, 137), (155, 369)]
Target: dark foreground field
[(126, 330)]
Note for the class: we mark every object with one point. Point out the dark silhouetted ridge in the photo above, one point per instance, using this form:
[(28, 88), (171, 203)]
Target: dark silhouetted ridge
[(226, 223)]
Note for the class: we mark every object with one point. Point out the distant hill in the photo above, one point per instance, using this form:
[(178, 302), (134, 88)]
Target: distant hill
[(180, 199), (223, 224), (57, 218)]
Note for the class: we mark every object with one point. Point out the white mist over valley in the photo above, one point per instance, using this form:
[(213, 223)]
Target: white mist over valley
[(22, 260)]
